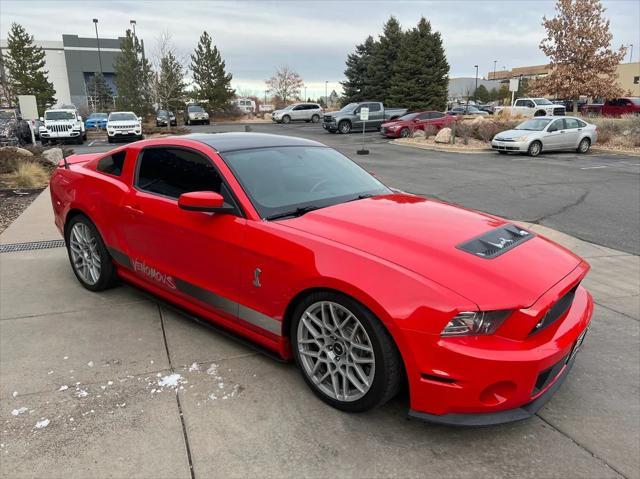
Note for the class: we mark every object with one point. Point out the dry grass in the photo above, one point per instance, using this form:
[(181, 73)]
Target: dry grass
[(618, 132), (30, 175)]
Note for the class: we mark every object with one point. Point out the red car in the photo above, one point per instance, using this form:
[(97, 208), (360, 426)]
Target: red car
[(292, 245), (407, 124)]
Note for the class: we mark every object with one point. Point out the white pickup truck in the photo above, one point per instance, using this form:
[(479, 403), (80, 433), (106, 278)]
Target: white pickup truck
[(534, 107), (62, 125)]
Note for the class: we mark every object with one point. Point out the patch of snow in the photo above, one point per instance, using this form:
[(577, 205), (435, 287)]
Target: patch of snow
[(20, 410), (65, 358), (194, 367), (64, 387), (82, 393), (213, 370), (90, 364), (15, 393), (42, 424), (171, 381), (50, 372)]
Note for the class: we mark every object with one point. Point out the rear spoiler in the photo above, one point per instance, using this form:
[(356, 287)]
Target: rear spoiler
[(76, 159)]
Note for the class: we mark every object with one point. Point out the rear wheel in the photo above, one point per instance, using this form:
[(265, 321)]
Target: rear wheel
[(584, 145), (90, 260), (534, 148), (345, 354), (315, 118)]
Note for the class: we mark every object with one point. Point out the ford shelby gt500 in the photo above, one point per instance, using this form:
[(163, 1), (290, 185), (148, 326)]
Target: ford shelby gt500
[(290, 244)]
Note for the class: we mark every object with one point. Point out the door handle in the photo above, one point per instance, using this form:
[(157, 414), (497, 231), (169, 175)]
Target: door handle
[(133, 209)]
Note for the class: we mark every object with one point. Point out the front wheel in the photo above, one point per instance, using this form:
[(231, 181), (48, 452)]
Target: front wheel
[(90, 260), (404, 133), (584, 145), (286, 119), (346, 356), (534, 149), (344, 127)]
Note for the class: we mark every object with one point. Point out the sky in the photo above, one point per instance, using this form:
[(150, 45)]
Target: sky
[(314, 37)]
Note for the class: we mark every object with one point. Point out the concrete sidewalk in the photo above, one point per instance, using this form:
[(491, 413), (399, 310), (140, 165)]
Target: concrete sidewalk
[(114, 385)]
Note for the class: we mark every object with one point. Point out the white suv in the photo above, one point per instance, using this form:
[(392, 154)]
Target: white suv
[(60, 125), (124, 124), (535, 107), (309, 112)]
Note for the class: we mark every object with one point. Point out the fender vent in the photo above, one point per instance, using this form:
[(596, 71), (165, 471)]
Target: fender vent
[(496, 242), (14, 247)]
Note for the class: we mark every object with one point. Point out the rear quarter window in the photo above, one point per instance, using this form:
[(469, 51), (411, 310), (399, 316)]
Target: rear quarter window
[(112, 164)]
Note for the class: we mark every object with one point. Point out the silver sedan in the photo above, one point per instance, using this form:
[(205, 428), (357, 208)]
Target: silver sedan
[(549, 133)]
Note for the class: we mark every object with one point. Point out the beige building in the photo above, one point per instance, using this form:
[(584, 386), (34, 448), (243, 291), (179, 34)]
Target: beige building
[(628, 75)]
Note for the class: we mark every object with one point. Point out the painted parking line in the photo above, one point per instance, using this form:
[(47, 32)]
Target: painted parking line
[(594, 167)]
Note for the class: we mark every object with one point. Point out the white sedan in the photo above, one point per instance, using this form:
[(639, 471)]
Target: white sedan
[(549, 133)]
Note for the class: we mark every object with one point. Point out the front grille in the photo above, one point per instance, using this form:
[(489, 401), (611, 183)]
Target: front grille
[(548, 375), (328, 119), (556, 312), (123, 127), (14, 247), (59, 128), (559, 111), (496, 242), (503, 139)]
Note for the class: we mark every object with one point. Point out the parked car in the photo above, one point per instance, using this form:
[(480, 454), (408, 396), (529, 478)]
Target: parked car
[(290, 244), (195, 114), (618, 107), (488, 108), (466, 110), (164, 116), (547, 134), (62, 124), (534, 107), (348, 118), (405, 125), (96, 120), (591, 109), (124, 125), (245, 105), (14, 131), (309, 112)]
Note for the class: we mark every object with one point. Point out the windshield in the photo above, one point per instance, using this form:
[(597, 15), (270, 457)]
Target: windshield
[(59, 115), (122, 117), (537, 124), (97, 116), (408, 117), (7, 115), (282, 179), (542, 101), (350, 107), (162, 112), (195, 109)]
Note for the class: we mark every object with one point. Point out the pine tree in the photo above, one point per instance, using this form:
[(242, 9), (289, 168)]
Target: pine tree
[(482, 94), (420, 77), (132, 77), (213, 84), (169, 82), (578, 44), (101, 92), (355, 87), (380, 68), (25, 67)]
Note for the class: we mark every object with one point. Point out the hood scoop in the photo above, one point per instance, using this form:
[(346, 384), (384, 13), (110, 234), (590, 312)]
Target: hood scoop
[(496, 242)]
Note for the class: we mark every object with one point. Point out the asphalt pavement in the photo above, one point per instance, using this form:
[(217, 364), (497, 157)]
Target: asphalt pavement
[(594, 197)]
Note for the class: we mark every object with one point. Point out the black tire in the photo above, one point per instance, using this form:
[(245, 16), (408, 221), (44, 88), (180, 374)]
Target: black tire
[(535, 148), (157, 124), (404, 133), (388, 376), (207, 122), (502, 152), (540, 113), (108, 277), (344, 127), (44, 141), (584, 145), (188, 122), (286, 119), (109, 139), (315, 118), (79, 140)]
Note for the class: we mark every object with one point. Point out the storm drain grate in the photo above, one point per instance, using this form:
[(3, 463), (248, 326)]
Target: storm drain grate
[(13, 247)]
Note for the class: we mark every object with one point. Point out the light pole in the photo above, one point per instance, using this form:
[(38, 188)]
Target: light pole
[(305, 93), (133, 24), (95, 22), (475, 92), (326, 97), (631, 52), (495, 62)]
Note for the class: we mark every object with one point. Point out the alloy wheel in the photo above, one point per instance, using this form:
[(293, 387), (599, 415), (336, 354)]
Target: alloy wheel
[(85, 257), (336, 352), (584, 146)]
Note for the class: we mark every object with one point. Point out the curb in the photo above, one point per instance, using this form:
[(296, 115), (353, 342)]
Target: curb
[(445, 149), (616, 152)]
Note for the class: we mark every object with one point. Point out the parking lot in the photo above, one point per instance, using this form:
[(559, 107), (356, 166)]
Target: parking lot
[(115, 384)]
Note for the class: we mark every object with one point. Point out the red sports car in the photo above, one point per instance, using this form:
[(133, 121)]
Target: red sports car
[(292, 245), (418, 120)]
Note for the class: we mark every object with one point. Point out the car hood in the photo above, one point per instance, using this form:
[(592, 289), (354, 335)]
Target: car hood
[(424, 236), (511, 134), (390, 124)]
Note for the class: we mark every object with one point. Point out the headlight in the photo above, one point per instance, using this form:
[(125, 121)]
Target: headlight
[(469, 323), (521, 138)]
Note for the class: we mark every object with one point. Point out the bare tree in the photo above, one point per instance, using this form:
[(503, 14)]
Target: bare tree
[(285, 84), (168, 79), (578, 45)]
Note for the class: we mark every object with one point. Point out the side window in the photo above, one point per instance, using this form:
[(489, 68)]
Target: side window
[(530, 104), (298, 108), (571, 123), (112, 164), (173, 171), (424, 116), (581, 124), (374, 107), (520, 103), (435, 115), (557, 125)]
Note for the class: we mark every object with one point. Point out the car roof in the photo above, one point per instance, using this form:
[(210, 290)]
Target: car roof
[(224, 142)]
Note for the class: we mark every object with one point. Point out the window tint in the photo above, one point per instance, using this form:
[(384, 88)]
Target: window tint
[(424, 116), (112, 164), (298, 107), (435, 114), (374, 107), (519, 102), (571, 123), (581, 123), (173, 171), (558, 125)]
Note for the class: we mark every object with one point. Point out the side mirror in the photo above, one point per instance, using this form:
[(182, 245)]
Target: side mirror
[(139, 118), (208, 201), (41, 118), (79, 118)]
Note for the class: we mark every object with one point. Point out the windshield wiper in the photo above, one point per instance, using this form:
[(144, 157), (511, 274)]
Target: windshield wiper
[(361, 197), (297, 212)]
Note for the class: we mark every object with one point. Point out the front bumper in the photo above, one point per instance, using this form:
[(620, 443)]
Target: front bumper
[(333, 126), (53, 135), (518, 146), (124, 133), (486, 380)]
